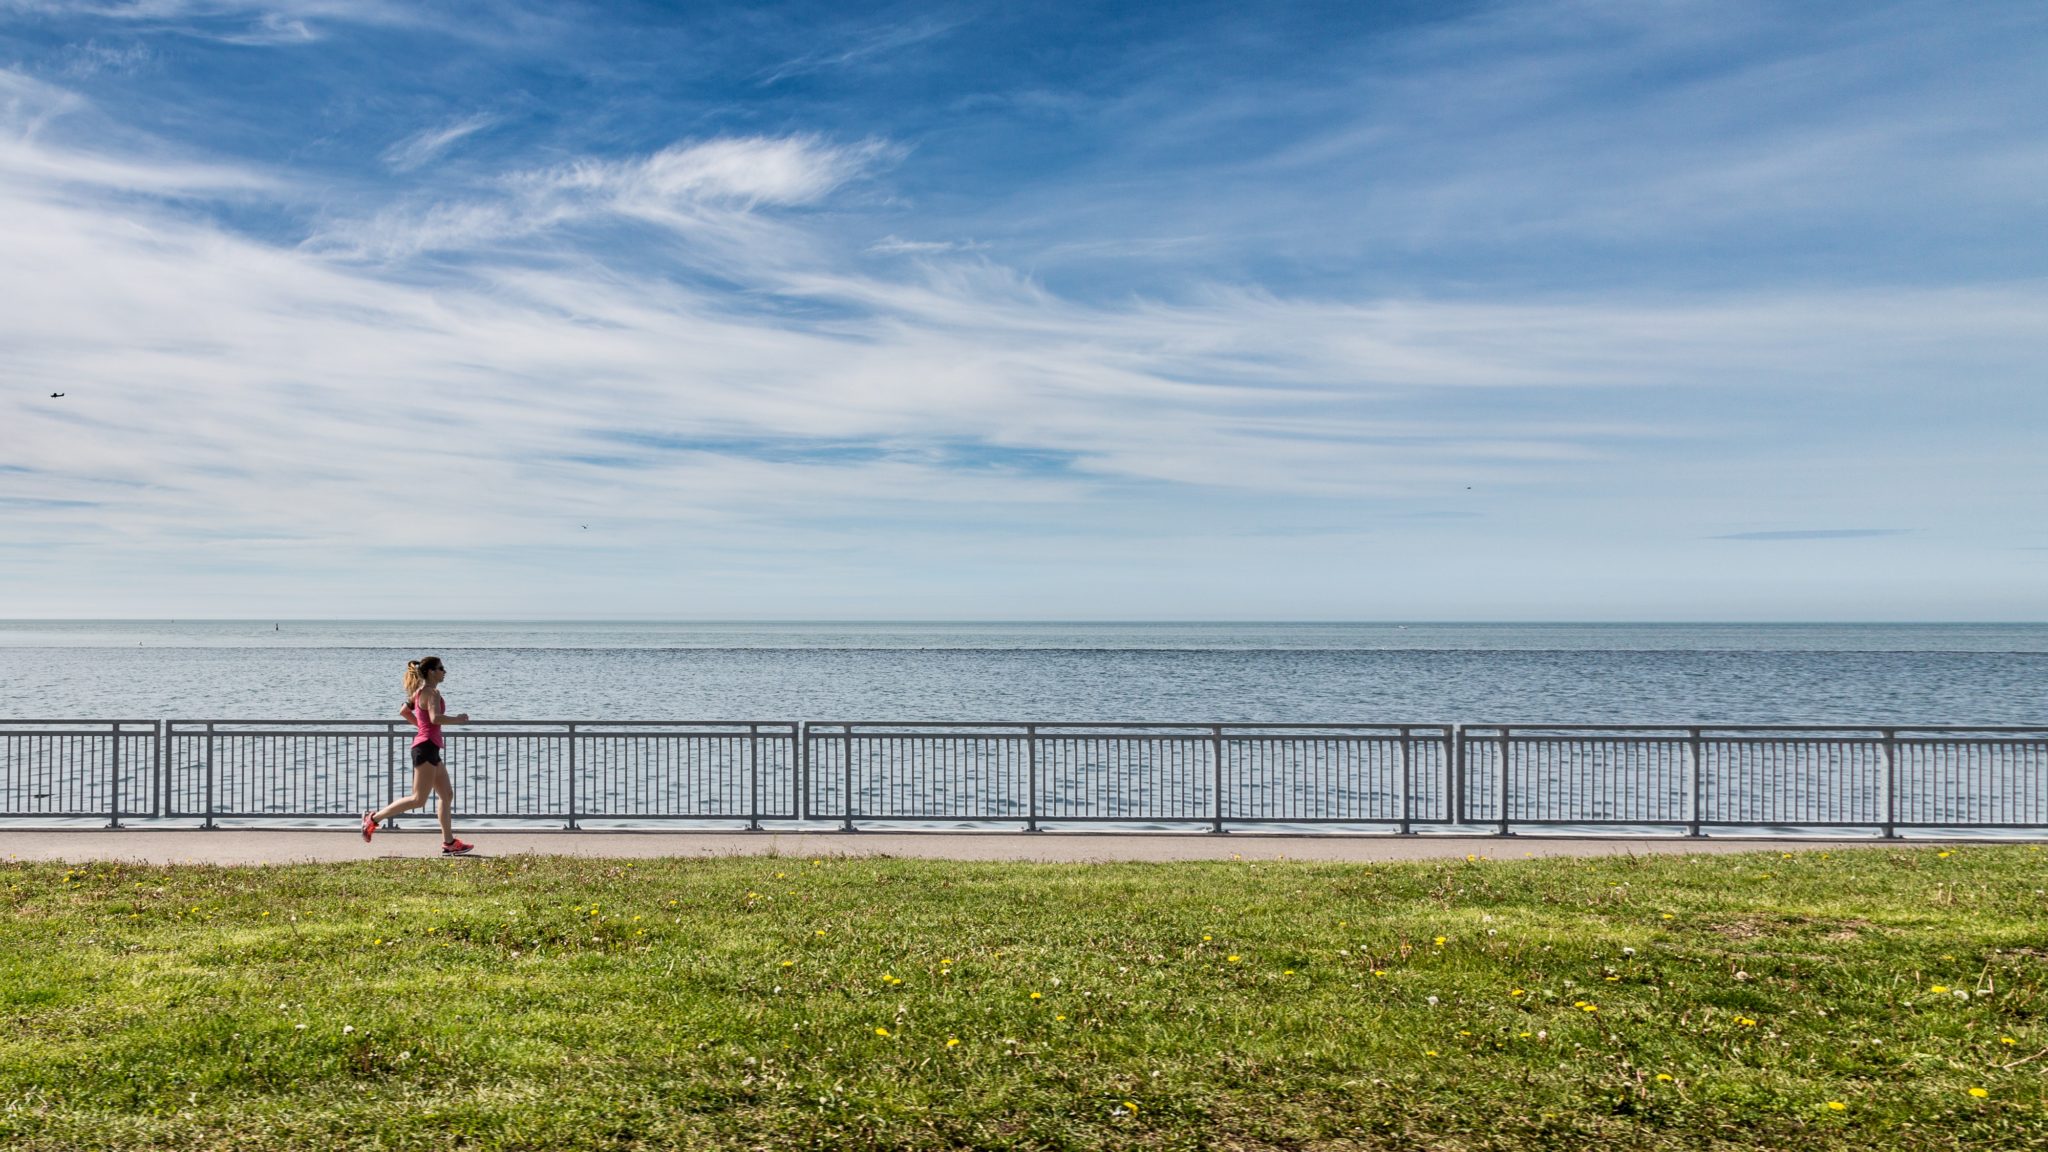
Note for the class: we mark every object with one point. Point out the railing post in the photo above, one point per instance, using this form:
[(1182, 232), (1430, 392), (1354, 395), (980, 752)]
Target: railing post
[(1216, 755), (209, 776), (390, 769), (1407, 785), (800, 771), (1454, 776), (1891, 783), (572, 777), (754, 777), (1031, 784), (114, 782), (1694, 751), (1504, 778), (846, 746), (159, 768)]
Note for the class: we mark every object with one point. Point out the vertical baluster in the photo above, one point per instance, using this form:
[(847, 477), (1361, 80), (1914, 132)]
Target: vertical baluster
[(114, 781), (572, 776), (754, 777), (1891, 783), (1216, 778), (1504, 763), (1031, 778)]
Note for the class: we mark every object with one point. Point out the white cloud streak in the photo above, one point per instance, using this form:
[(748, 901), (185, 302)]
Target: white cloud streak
[(429, 143), (242, 407), (710, 190)]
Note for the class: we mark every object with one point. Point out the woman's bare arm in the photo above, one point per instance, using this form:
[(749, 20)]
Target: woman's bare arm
[(437, 712)]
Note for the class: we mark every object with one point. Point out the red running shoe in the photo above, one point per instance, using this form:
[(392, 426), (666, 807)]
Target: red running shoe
[(369, 826), (455, 847)]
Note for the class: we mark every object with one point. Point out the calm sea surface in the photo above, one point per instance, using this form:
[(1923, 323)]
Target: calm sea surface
[(1594, 673)]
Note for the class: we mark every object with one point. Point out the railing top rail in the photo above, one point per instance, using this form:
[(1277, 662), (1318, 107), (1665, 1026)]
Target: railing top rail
[(395, 722), (1192, 725), (1532, 726), (32, 720)]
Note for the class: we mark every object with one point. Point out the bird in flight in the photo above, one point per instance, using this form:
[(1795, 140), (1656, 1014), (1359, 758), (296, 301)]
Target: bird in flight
[(55, 395)]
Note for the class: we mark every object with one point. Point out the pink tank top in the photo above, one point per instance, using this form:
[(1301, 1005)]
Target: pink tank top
[(430, 733)]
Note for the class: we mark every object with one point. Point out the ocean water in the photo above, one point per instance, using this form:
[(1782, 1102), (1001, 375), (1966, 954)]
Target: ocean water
[(1565, 673)]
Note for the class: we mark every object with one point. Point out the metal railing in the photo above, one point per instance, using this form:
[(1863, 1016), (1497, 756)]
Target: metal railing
[(1700, 777), (1211, 774), (505, 769), (1400, 776), (80, 768)]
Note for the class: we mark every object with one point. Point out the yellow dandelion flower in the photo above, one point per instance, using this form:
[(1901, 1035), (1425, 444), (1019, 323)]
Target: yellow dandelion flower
[(1592, 1007), (1523, 1035), (1379, 971), (1979, 1093), (1288, 972), (1440, 941), (789, 963), (1664, 1077), (1837, 1106), (1939, 989), (1668, 916), (1131, 1106), (2007, 1040), (952, 1042), (1431, 1052), (1941, 855), (1514, 992), (1059, 1018), (881, 1031), (1206, 938), (1233, 958), (1036, 996), (1746, 1021)]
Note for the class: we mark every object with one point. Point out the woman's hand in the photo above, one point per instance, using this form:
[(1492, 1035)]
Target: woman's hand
[(461, 719)]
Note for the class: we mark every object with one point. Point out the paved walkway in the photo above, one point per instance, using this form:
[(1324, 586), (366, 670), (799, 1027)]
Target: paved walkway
[(290, 846)]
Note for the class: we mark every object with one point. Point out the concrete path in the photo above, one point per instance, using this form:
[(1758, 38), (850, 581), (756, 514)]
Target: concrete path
[(291, 846)]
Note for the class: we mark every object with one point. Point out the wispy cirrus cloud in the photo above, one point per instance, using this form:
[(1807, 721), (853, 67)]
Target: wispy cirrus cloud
[(712, 189), (1817, 534), (864, 45), (429, 143)]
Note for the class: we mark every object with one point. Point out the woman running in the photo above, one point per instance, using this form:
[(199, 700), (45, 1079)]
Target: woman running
[(425, 708)]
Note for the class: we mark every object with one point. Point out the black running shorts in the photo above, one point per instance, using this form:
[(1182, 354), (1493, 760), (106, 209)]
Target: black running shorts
[(426, 752)]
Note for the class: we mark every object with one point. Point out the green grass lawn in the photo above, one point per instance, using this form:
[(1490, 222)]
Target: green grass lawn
[(1868, 999)]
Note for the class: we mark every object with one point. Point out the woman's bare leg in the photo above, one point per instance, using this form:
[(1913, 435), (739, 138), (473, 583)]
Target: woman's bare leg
[(445, 789), (422, 787)]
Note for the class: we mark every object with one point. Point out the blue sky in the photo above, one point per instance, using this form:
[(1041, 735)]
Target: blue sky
[(1545, 310)]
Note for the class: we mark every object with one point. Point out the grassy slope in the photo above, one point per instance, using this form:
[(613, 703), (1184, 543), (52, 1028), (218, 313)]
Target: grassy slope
[(549, 1003)]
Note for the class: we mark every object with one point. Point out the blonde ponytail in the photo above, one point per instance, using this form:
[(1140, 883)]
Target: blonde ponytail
[(416, 673)]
